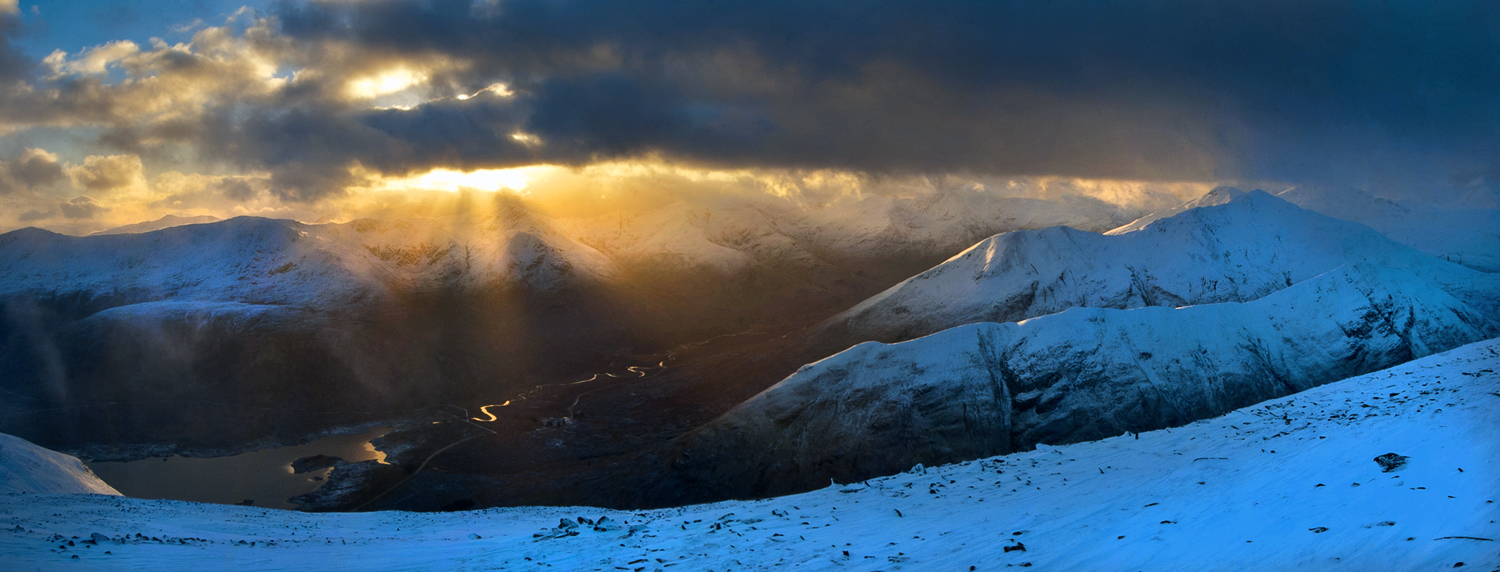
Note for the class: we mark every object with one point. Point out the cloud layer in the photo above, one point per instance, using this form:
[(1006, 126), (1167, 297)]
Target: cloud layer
[(315, 98)]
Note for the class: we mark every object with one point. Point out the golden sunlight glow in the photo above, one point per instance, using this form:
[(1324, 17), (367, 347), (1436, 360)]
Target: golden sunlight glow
[(452, 181), (384, 83), (499, 89)]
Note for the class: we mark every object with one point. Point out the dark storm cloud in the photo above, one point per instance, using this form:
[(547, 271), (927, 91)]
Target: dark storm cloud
[(1360, 92), (28, 171), (35, 215), (35, 167), (309, 148), (236, 190), (14, 64), (82, 207), (1388, 95)]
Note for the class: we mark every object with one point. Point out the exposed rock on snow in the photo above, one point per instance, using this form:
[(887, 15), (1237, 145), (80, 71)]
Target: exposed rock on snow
[(1391, 462), (1082, 374), (27, 468), (1238, 492)]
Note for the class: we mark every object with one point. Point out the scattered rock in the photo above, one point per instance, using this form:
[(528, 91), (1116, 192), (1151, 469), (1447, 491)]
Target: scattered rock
[(1391, 461), (98, 537), (606, 524), (314, 463), (1319, 529), (1019, 546)]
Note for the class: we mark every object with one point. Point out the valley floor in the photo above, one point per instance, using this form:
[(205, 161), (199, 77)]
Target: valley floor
[(1287, 484)]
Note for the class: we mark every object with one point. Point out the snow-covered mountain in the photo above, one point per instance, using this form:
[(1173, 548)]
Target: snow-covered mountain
[(1290, 484), (161, 223), (277, 319), (269, 261), (27, 468), (470, 303), (1215, 197), (1082, 374), (249, 260), (1467, 236), (1243, 247)]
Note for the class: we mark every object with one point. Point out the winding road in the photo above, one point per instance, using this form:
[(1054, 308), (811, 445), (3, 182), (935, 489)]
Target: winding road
[(639, 371)]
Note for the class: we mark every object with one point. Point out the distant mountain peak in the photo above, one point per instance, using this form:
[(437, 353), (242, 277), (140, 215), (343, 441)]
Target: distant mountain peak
[(1221, 195), (158, 224), (1224, 192)]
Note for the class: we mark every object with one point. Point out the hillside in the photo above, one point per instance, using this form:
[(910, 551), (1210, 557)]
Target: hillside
[(1079, 375), (1291, 484), (28, 469)]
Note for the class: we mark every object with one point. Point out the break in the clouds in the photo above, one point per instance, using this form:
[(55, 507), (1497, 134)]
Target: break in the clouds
[(321, 96)]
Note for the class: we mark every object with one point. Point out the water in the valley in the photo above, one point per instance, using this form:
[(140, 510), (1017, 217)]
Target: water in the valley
[(264, 477)]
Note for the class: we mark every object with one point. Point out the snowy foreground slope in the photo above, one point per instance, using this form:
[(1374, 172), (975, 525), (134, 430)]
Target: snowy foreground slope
[(1287, 484), (27, 468)]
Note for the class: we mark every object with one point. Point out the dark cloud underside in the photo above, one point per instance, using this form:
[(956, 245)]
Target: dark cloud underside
[(1382, 94), (1290, 90)]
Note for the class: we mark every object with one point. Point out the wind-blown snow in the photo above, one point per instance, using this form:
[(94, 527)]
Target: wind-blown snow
[(1289, 484), (28, 469)]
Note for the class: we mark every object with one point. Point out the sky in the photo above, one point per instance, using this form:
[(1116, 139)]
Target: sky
[(115, 111)]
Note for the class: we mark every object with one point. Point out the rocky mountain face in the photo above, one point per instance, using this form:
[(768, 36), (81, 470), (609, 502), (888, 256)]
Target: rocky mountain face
[(1238, 247), (1079, 335), (1078, 375)]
